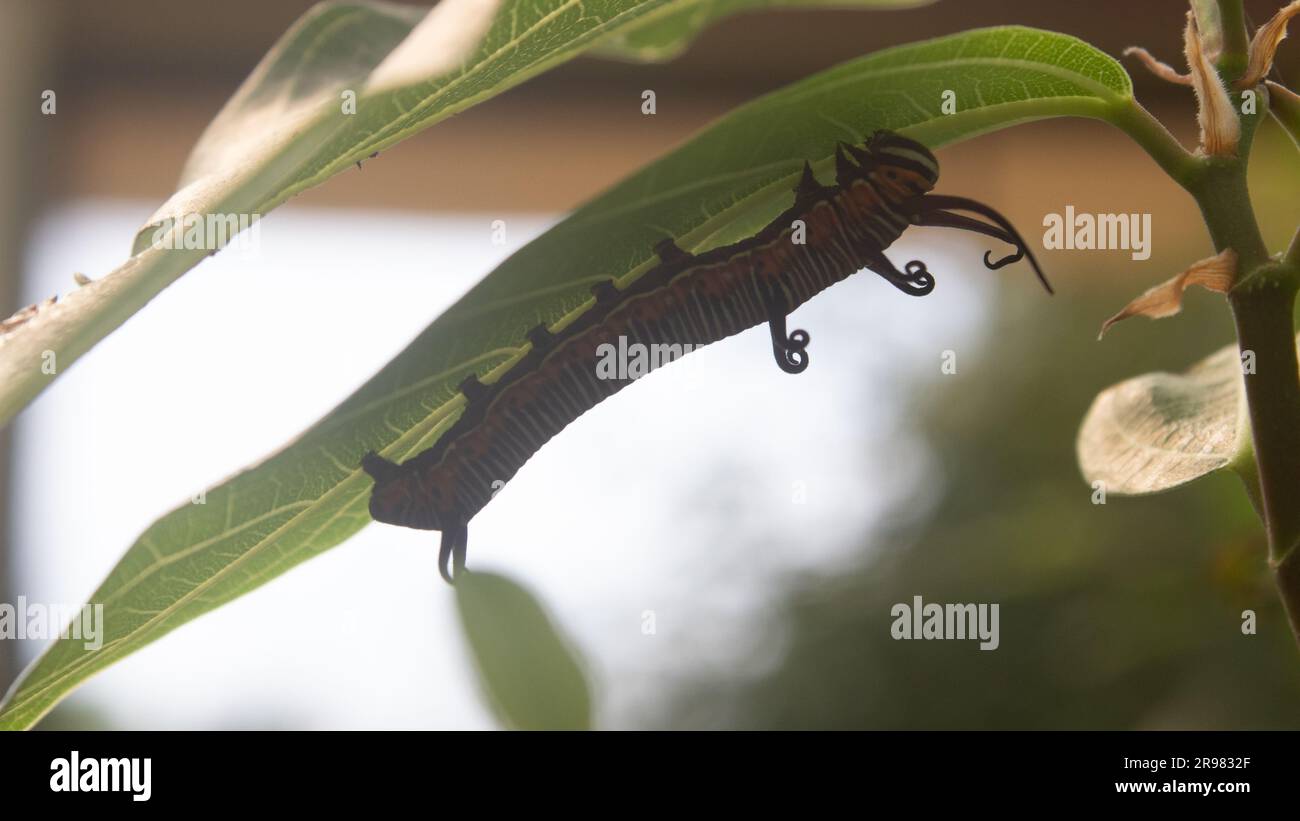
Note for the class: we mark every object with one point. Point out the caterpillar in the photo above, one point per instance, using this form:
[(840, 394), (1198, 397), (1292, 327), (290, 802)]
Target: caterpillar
[(881, 188)]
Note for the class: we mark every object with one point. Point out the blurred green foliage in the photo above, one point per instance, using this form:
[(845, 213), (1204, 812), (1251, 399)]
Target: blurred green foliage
[(529, 672), (1126, 614)]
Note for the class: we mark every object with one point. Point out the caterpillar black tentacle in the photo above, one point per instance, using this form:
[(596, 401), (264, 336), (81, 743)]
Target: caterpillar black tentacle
[(791, 360), (917, 281), (929, 204), (918, 278), (789, 350), (946, 219), (881, 188), (790, 354), (451, 552)]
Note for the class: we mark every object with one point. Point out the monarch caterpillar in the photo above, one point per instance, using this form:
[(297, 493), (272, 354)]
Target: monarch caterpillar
[(881, 188)]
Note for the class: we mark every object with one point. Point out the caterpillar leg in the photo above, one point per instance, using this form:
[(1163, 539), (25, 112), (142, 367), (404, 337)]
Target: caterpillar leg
[(917, 281), (451, 553), (789, 350), (930, 210)]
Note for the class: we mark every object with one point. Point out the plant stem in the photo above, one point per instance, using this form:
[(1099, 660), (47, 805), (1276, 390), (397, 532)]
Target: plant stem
[(1284, 105), (1225, 204), (1155, 139), (1263, 309), (1263, 306), (1263, 302), (1236, 45)]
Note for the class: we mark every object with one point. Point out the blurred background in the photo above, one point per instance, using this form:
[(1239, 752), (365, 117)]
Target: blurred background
[(762, 525)]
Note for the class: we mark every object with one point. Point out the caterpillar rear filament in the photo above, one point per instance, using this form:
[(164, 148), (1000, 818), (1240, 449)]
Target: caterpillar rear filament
[(881, 188)]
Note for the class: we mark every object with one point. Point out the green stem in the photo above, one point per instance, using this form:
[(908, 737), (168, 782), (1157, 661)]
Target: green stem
[(1263, 306), (1236, 44), (1249, 475), (1263, 309), (1284, 105), (1224, 200), (1155, 139)]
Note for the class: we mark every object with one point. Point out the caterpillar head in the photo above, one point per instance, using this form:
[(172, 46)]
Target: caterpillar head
[(902, 165)]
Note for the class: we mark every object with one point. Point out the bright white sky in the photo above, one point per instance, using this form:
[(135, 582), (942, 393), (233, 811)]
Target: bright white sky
[(656, 500)]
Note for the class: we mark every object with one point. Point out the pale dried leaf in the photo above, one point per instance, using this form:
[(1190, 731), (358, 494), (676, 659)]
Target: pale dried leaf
[(1164, 71), (1214, 273), (1263, 46), (1220, 129), (1161, 430)]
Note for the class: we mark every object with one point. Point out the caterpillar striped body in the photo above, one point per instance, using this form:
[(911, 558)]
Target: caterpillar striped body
[(882, 187)]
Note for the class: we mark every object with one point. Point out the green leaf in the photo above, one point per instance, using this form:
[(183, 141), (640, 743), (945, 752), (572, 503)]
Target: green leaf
[(721, 185), (287, 129), (528, 671), (1161, 430), (665, 32)]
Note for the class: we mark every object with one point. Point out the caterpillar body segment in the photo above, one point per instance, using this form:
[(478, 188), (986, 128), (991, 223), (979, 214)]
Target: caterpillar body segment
[(686, 301)]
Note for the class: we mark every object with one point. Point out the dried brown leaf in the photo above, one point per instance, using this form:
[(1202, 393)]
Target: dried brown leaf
[(1214, 273), (1164, 71), (1220, 130), (1263, 46)]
